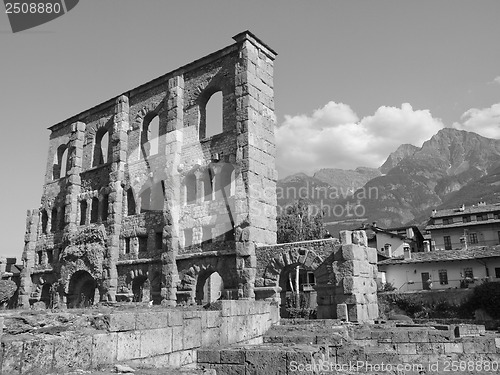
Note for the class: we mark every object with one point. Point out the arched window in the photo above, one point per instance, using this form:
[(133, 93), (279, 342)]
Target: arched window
[(190, 185), (83, 212), (150, 135), (45, 221), (60, 163), (130, 202), (211, 115), (101, 147), (94, 210), (53, 220)]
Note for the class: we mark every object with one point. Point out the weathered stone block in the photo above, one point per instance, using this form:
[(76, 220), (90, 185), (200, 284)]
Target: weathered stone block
[(128, 345), (38, 356), (175, 317), (209, 356), (156, 341), (453, 347), (342, 312), (177, 334), (104, 348), (73, 351), (265, 362), (120, 322), (152, 320), (191, 334), (210, 337), (406, 348), (232, 356)]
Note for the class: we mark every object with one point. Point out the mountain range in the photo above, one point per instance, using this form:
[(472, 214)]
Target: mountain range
[(452, 168)]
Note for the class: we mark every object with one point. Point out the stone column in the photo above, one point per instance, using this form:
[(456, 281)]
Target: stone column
[(173, 201), (119, 145), (73, 181), (255, 218), (32, 218)]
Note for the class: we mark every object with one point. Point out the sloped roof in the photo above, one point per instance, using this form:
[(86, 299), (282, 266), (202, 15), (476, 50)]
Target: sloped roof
[(475, 209), (446, 255)]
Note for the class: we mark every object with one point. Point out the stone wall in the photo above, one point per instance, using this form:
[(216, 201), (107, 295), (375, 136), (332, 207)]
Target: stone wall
[(158, 337), (366, 349)]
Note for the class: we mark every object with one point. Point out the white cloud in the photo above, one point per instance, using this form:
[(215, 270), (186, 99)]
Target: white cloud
[(334, 137), (496, 80), (485, 121)]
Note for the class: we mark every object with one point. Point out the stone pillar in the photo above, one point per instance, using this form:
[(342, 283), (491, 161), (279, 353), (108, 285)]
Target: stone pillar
[(119, 145), (30, 238), (73, 180), (255, 217), (346, 282), (173, 201)]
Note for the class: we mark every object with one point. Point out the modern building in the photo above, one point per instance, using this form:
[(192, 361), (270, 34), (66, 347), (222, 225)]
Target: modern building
[(442, 269), (392, 242), (477, 225)]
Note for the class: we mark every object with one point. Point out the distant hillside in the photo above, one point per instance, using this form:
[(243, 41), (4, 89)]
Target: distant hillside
[(347, 179), (451, 168)]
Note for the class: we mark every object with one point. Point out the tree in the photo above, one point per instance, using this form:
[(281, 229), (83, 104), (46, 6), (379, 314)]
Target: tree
[(297, 223)]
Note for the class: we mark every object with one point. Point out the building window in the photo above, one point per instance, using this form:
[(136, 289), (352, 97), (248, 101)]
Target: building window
[(50, 256), (45, 221), (447, 242), (101, 147), (496, 215), (150, 135), (143, 244), (468, 274), (447, 221), (497, 272), (83, 212), (159, 240), (130, 202), (127, 245), (190, 183), (53, 220), (211, 114), (105, 204), (472, 238), (482, 217), (146, 200), (188, 237), (62, 218), (94, 210), (466, 219), (39, 257), (443, 277)]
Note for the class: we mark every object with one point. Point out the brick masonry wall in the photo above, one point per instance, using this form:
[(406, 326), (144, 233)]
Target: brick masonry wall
[(163, 337)]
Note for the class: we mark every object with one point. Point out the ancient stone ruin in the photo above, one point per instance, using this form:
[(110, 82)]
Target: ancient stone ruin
[(128, 214), (142, 203)]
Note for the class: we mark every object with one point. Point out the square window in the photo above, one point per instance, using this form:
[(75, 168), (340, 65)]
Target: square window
[(443, 277), (472, 238)]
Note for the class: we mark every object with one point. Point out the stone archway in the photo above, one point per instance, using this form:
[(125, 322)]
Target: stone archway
[(81, 290), (279, 268), (209, 287)]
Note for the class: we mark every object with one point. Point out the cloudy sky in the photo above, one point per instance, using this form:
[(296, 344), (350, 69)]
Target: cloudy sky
[(353, 79)]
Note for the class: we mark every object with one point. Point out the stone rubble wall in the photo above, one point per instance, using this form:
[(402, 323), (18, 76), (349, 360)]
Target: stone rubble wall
[(161, 338)]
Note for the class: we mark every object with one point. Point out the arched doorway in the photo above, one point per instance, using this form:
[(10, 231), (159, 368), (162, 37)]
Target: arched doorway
[(138, 288), (209, 287), (81, 290)]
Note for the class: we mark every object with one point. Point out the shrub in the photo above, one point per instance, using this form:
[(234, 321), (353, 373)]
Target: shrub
[(485, 296), (7, 290)]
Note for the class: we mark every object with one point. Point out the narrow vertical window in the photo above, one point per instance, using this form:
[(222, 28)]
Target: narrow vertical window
[(127, 245), (130, 202), (105, 207), (83, 212), (101, 147), (190, 182), (62, 218), (94, 210), (45, 221), (211, 116), (53, 220), (150, 135), (146, 200)]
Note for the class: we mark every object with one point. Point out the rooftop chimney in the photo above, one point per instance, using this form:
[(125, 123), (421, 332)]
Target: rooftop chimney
[(434, 212)]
